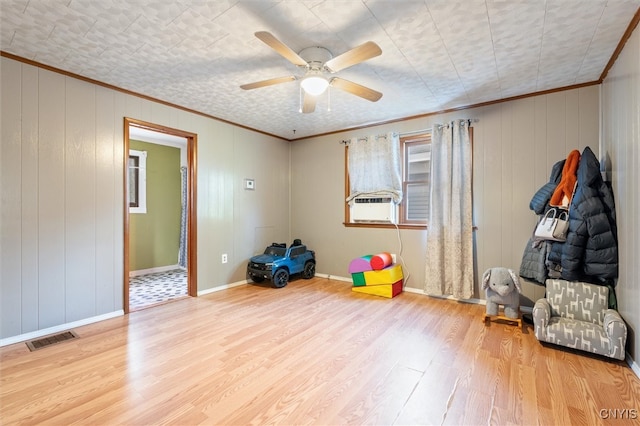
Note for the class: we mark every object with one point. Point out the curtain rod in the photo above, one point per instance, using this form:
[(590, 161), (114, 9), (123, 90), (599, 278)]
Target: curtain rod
[(415, 132), (347, 141)]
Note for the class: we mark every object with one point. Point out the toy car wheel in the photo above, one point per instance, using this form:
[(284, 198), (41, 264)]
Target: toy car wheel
[(280, 278), (309, 270)]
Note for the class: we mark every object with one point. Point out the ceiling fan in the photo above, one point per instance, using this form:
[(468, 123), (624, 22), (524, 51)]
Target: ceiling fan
[(318, 61)]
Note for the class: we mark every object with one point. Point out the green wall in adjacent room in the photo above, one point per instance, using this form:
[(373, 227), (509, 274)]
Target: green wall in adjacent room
[(154, 237)]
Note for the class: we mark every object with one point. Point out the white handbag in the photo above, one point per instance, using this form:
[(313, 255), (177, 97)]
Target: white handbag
[(553, 226)]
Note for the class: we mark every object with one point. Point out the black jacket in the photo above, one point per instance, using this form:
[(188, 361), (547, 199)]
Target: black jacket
[(591, 250)]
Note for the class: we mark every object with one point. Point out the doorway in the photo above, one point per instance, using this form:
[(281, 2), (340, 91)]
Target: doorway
[(188, 255)]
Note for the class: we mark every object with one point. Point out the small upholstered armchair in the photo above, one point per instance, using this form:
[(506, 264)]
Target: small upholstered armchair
[(576, 315)]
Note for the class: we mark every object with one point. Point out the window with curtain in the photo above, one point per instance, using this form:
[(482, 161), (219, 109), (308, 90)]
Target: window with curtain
[(374, 167), (404, 161)]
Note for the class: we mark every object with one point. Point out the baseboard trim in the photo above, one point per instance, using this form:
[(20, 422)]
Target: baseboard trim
[(526, 309), (472, 301), (244, 282), (222, 287), (634, 367), (334, 277), (153, 270), (62, 327), (412, 290)]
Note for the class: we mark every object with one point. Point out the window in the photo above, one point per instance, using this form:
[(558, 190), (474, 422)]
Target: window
[(413, 210), (416, 153), (134, 181), (137, 181)]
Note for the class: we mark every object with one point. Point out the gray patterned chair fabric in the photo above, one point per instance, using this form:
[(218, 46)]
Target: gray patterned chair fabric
[(576, 315)]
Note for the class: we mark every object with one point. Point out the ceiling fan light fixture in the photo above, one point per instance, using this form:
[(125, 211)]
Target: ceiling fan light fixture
[(314, 85)]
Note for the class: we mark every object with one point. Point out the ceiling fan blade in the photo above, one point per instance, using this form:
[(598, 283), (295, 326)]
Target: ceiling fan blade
[(354, 56), (309, 103), (281, 48), (355, 89), (269, 82)]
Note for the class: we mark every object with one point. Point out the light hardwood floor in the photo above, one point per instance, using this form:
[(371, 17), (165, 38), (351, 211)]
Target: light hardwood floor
[(310, 353)]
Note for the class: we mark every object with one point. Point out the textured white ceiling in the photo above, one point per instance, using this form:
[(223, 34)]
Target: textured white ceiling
[(436, 54)]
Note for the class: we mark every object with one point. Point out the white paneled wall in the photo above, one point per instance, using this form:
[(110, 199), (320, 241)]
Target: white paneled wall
[(78, 200), (621, 150), (11, 207), (515, 145), (62, 197), (61, 186)]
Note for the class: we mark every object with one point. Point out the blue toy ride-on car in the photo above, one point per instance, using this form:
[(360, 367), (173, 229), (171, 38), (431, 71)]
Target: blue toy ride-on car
[(278, 262)]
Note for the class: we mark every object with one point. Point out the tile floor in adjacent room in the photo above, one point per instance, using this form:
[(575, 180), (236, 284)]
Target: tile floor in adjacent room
[(151, 289)]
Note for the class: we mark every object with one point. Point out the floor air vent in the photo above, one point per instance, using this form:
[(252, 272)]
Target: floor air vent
[(51, 340)]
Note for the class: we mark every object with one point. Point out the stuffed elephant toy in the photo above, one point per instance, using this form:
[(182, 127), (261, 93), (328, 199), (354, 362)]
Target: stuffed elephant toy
[(502, 288)]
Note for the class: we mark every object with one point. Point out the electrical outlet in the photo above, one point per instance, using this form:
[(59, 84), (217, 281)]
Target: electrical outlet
[(224, 258)]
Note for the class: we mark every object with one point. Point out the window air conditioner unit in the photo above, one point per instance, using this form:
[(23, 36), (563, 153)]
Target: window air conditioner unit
[(373, 209)]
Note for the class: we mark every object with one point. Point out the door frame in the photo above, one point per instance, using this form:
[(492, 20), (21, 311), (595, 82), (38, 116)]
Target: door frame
[(192, 234)]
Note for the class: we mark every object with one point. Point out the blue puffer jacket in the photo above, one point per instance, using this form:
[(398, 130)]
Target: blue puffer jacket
[(540, 201), (591, 250)]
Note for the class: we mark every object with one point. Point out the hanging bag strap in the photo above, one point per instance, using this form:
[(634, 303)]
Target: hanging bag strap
[(575, 185)]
